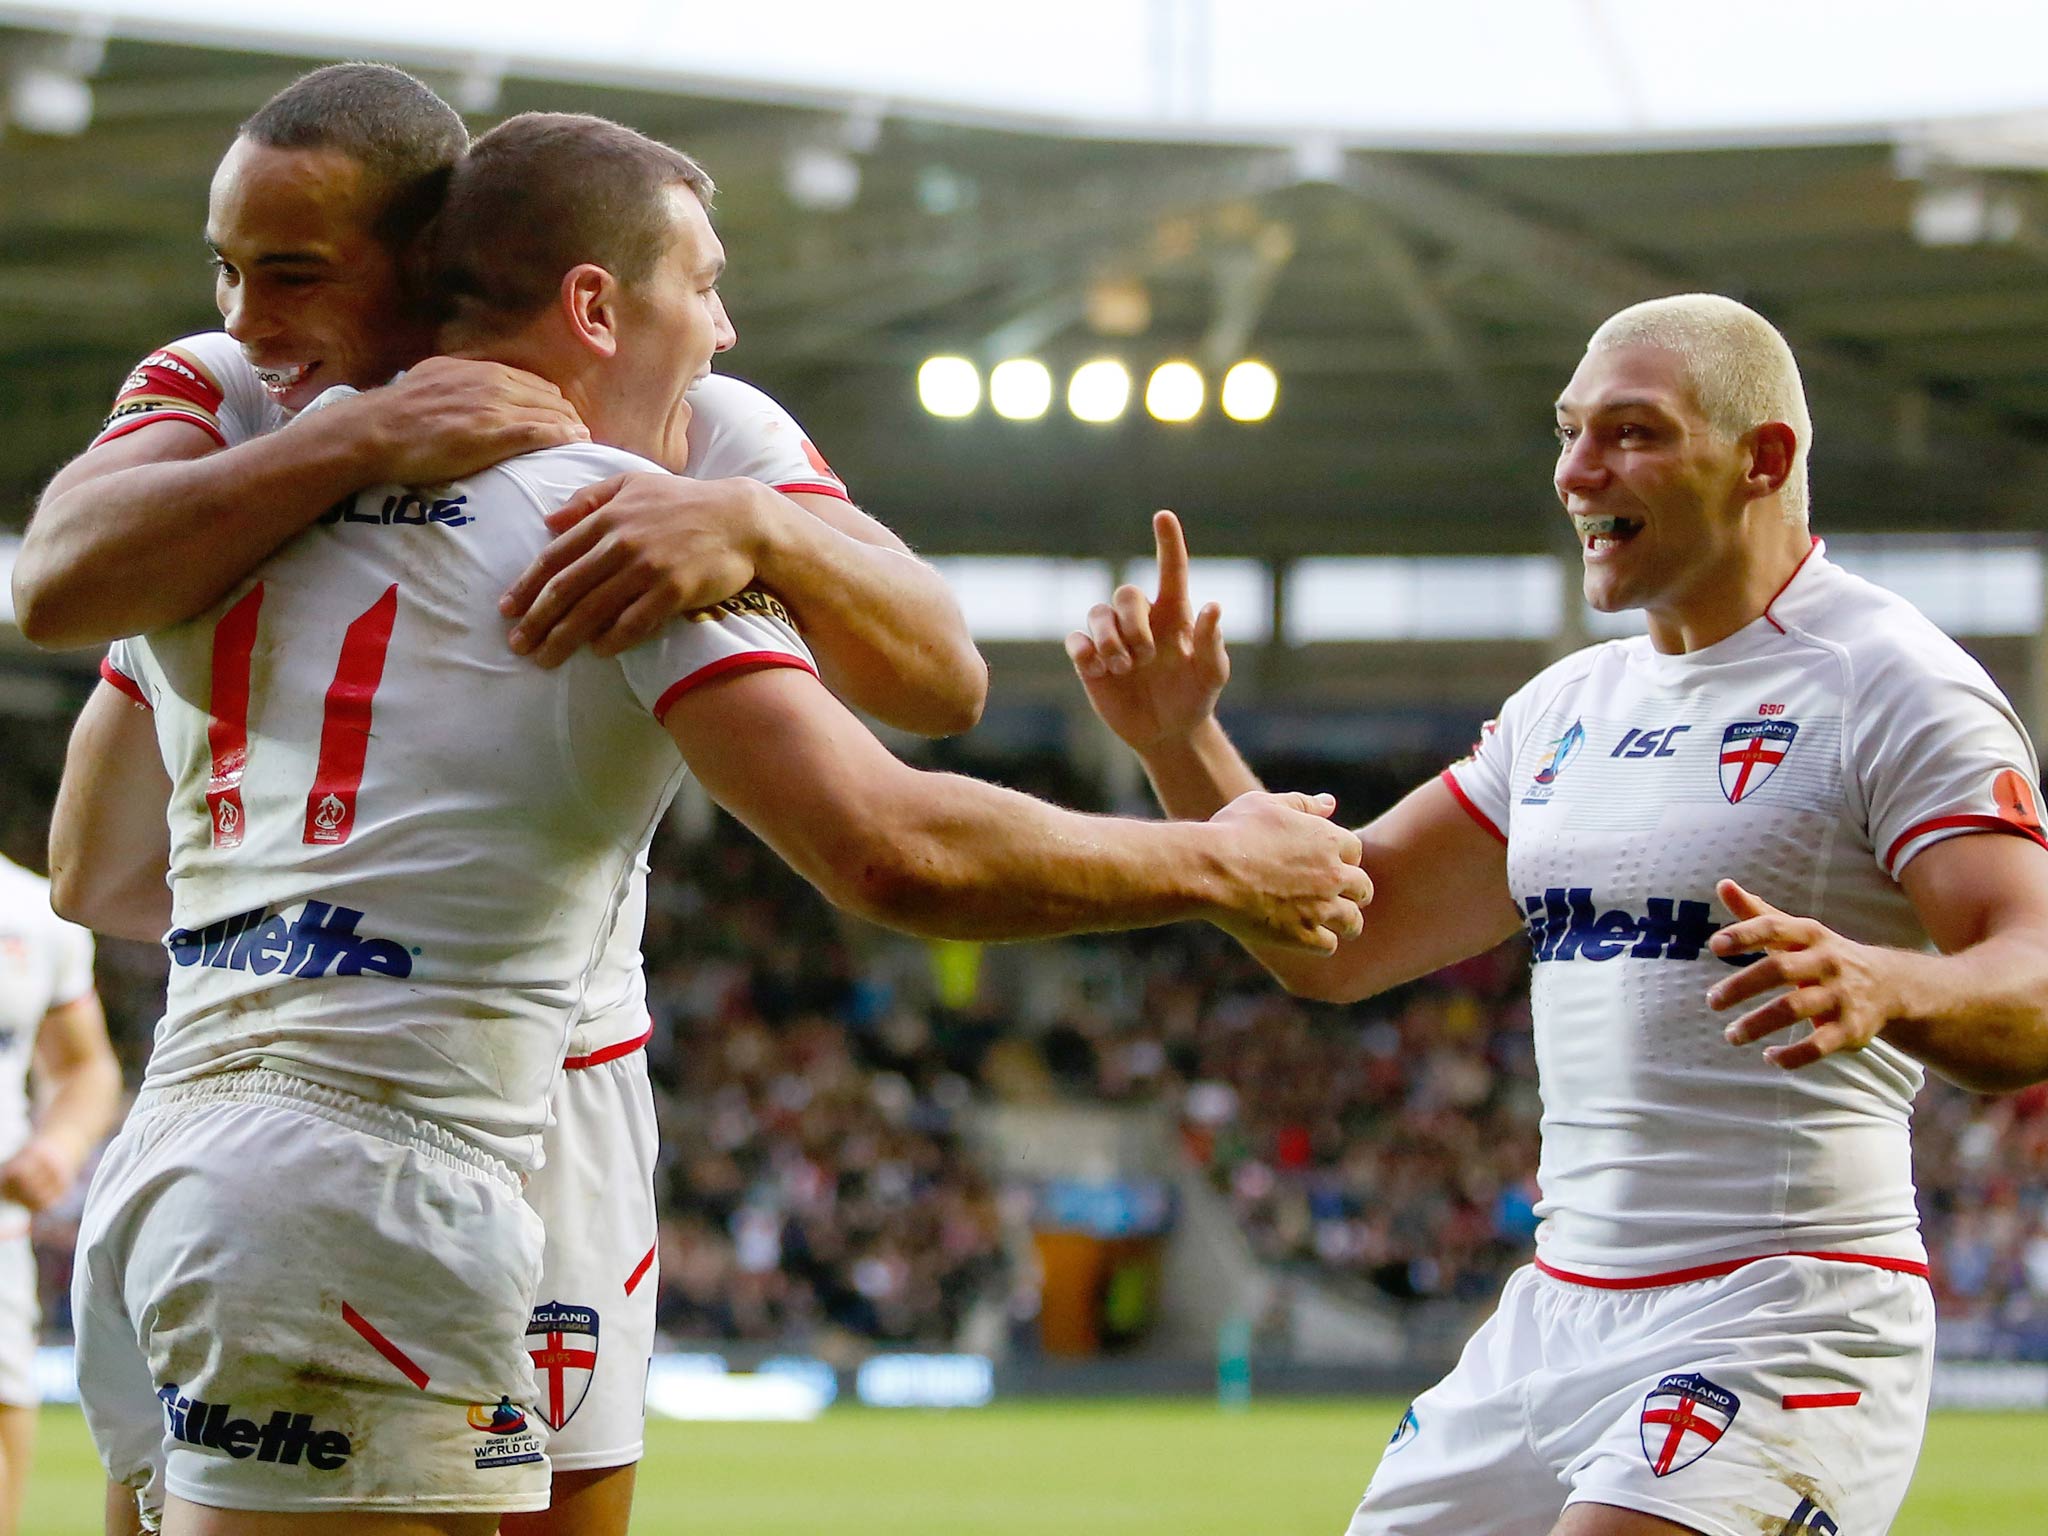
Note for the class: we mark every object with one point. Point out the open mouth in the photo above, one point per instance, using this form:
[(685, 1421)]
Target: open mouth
[(1598, 534), (281, 381)]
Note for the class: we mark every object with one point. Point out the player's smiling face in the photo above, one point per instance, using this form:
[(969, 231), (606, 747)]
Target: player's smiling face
[(303, 283), (675, 322), (1654, 492)]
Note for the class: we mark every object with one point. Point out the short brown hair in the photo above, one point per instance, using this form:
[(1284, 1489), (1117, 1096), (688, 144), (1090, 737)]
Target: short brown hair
[(544, 192), (405, 137)]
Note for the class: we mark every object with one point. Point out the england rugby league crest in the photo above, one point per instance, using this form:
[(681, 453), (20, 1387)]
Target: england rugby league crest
[(1684, 1419), (563, 1343), (1751, 751)]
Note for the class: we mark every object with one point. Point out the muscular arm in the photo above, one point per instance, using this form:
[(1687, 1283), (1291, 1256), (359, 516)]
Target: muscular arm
[(886, 629), (109, 842), (635, 551), (78, 1091), (154, 527), (947, 856), (1977, 1013)]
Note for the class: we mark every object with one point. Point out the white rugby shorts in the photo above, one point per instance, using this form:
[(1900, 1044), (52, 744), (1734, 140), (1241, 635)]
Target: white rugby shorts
[(592, 1330), (1787, 1396), (290, 1298), (20, 1317)]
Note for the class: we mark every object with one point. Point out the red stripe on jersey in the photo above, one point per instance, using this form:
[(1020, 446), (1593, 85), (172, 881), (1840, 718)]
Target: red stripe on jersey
[(124, 682), (1715, 1271), (137, 422), (814, 488), (1458, 794), (640, 1271), (227, 722), (390, 1351), (345, 726), (744, 661), (612, 1052), (1810, 548), (172, 373), (1820, 1400), (1970, 822)]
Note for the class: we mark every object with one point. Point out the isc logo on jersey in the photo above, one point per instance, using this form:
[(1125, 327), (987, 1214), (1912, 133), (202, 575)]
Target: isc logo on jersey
[(304, 945)]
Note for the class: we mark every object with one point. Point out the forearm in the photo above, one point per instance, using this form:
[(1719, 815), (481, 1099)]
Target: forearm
[(81, 1107), (1196, 777), (1979, 1017), (888, 634), (132, 549), (953, 857)]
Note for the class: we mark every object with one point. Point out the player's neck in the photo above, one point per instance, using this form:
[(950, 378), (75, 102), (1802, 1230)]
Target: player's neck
[(1734, 592)]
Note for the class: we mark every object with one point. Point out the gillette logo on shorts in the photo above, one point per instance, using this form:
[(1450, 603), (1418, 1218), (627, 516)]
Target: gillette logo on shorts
[(287, 1439), (261, 941)]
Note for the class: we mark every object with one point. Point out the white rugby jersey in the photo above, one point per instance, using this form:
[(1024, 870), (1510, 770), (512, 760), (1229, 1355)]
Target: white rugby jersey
[(736, 432), (397, 848), (1809, 757), (45, 963)]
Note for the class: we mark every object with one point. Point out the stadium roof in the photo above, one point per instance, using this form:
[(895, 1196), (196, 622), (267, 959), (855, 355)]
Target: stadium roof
[(1414, 215)]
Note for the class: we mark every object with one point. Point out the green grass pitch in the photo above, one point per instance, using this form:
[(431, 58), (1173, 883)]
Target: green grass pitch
[(1091, 1469)]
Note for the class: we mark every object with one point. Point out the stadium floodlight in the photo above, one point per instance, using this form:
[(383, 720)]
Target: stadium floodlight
[(1249, 390), (49, 101), (1100, 390), (1174, 392), (1020, 389), (949, 386)]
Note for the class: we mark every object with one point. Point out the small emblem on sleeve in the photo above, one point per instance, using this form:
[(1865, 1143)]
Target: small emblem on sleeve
[(817, 460), (2017, 802), (170, 383)]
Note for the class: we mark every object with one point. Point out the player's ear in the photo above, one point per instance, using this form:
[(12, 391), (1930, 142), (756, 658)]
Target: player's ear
[(1772, 448), (589, 299)]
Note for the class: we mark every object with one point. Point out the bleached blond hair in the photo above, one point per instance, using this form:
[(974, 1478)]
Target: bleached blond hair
[(1741, 371)]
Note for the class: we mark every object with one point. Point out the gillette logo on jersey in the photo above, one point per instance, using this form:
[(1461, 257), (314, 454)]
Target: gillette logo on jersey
[(1565, 924), (286, 1440), (305, 945)]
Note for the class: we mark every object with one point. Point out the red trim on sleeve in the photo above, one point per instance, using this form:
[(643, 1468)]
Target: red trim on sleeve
[(1972, 822), (640, 1271), (1820, 1400), (124, 682), (813, 488), (137, 423), (744, 661), (1458, 794), (1715, 1271), (612, 1052), (1788, 582), (404, 1363)]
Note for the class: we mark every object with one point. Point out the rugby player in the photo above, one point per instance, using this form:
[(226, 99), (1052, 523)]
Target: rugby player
[(313, 211), (51, 1027), (396, 853), (1794, 802)]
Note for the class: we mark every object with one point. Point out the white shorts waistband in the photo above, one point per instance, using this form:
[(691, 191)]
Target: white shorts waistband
[(287, 1090)]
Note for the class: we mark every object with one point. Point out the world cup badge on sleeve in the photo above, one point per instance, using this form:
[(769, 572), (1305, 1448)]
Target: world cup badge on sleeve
[(1683, 1419), (1750, 753), (563, 1342)]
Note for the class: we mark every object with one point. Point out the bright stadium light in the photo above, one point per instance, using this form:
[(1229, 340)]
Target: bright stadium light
[(1020, 389), (1249, 390), (1100, 390), (1174, 392), (949, 386)]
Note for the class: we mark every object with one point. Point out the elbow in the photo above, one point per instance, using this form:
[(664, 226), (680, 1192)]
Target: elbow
[(39, 606), (957, 708), (72, 896), (1319, 981), (891, 876)]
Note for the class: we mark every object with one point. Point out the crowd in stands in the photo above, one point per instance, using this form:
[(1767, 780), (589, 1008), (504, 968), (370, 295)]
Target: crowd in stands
[(814, 1082)]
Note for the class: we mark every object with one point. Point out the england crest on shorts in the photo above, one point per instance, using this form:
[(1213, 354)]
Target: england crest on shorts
[(563, 1342), (1750, 753), (1684, 1419)]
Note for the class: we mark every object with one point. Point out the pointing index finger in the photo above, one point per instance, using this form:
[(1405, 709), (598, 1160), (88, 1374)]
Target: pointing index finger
[(1172, 549)]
